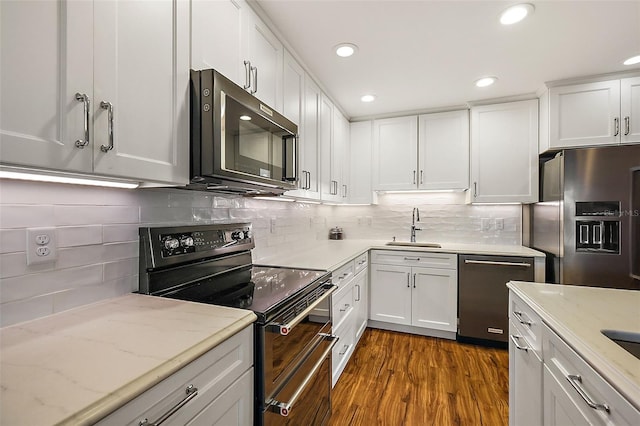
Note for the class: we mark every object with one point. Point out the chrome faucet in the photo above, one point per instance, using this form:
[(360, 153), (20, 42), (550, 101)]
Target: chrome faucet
[(415, 218)]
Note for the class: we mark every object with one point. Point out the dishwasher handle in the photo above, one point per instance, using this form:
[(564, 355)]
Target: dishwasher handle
[(496, 263)]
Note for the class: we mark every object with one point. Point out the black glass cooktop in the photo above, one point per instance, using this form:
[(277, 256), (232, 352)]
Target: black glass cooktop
[(258, 288)]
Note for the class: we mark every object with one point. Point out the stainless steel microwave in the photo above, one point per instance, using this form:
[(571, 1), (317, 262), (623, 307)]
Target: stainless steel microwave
[(238, 144)]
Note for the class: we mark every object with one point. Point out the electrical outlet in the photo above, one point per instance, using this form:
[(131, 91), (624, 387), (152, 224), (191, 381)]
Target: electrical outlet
[(499, 224), (485, 224), (41, 245)]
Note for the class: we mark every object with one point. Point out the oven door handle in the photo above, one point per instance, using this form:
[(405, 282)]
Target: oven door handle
[(286, 328), (284, 408)]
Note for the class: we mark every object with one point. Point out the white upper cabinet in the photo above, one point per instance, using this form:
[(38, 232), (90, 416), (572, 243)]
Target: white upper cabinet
[(264, 52), (360, 145), (91, 102), (340, 154), (216, 37), (328, 184), (44, 63), (395, 153), (504, 153), (444, 150), (590, 114), (141, 111), (630, 110)]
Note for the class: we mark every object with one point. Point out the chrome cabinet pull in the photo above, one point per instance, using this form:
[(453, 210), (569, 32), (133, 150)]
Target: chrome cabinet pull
[(627, 125), (414, 176), (109, 107), (421, 176), (515, 339), (308, 180), (247, 75), (191, 392), (358, 286), (344, 187), (575, 380), (285, 329), (475, 189), (344, 350), (491, 262), (346, 308), (521, 319), (82, 97), (414, 280), (416, 259), (284, 408), (408, 280), (255, 80), (616, 124)]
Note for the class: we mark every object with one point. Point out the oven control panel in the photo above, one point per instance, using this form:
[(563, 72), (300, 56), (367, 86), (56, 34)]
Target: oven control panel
[(200, 241)]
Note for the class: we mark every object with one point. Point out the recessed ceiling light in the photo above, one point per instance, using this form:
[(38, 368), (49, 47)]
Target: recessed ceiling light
[(368, 98), (632, 60), (486, 81), (344, 50), (245, 118), (516, 13)]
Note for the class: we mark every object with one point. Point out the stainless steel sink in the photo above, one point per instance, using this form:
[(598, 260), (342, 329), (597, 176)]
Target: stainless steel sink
[(408, 244), (628, 340)]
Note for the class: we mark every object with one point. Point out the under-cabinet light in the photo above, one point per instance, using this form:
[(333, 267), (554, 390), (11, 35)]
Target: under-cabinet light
[(53, 178), (290, 200)]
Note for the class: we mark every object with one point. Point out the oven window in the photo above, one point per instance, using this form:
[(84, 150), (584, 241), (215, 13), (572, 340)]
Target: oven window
[(252, 144)]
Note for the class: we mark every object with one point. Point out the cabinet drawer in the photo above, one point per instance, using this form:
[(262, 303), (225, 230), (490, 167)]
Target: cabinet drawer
[(582, 383), (343, 274), (211, 374), (527, 324), (415, 258), (361, 262), (342, 304), (342, 352)]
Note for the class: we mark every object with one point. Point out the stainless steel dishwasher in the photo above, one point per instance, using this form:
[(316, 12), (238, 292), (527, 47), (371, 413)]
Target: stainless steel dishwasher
[(483, 297)]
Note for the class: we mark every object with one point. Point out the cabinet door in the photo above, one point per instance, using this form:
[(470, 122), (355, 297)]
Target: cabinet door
[(359, 169), (340, 154), (584, 114), (265, 52), (329, 189), (361, 302), (630, 110), (434, 298), (443, 150), (525, 382), (311, 142), (211, 23), (395, 153), (46, 51), (559, 408), (390, 297), (145, 136), (504, 153)]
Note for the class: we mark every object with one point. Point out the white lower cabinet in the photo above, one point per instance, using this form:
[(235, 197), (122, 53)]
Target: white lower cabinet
[(214, 389), (414, 289), (361, 295)]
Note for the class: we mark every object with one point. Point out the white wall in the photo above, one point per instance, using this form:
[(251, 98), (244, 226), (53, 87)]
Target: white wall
[(97, 233)]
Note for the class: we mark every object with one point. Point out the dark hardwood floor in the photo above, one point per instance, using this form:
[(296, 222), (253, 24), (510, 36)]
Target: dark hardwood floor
[(402, 379)]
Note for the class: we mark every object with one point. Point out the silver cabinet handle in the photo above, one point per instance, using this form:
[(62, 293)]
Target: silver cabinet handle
[(521, 319), (575, 380), (414, 280), (283, 408), (358, 298), (492, 262), (191, 392), (109, 107), (255, 80), (408, 280), (285, 329), (346, 308), (416, 259), (414, 176), (627, 125), (344, 187), (475, 189), (515, 339), (421, 176), (82, 97), (616, 125), (247, 75), (344, 350), (308, 175)]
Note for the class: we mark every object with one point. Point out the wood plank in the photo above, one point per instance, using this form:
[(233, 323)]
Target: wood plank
[(403, 379)]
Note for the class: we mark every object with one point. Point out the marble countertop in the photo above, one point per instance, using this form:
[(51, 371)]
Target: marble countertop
[(578, 313), (77, 366), (331, 254)]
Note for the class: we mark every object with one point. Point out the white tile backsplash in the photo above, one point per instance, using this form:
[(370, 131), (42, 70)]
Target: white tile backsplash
[(97, 230)]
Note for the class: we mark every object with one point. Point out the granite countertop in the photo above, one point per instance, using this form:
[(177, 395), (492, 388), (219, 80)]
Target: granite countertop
[(77, 366), (578, 313), (331, 254)]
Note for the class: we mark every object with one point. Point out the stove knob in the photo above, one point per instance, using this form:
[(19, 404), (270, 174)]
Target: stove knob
[(246, 234), (171, 243), (186, 242), (237, 235)]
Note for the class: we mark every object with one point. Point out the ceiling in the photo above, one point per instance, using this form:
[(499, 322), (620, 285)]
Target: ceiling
[(422, 54)]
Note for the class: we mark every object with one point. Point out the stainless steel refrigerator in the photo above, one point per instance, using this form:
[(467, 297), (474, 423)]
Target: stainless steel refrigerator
[(588, 220)]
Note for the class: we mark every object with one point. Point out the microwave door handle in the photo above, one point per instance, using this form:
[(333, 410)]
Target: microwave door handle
[(294, 162)]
